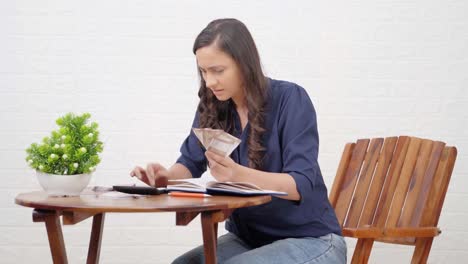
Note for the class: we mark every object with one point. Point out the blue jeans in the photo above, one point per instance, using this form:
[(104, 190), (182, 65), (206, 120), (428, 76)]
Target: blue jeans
[(330, 248)]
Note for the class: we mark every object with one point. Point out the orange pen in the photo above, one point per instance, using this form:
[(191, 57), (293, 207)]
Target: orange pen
[(189, 194)]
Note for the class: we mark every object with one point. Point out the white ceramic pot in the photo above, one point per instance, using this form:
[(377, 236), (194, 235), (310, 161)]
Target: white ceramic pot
[(63, 185)]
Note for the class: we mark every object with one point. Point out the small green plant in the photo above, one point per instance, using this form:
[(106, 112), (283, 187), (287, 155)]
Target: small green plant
[(72, 149)]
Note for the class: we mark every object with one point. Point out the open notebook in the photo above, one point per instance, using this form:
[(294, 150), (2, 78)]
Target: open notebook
[(208, 184)]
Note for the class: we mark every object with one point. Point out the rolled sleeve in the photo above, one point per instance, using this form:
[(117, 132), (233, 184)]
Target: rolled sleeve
[(300, 141), (192, 153)]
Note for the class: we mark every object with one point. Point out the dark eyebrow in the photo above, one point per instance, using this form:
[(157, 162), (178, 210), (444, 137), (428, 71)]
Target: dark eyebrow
[(212, 67)]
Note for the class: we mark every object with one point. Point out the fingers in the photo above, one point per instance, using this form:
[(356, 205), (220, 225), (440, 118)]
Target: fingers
[(161, 175), (215, 159), (140, 173), (132, 172), (161, 181), (220, 172), (211, 163), (155, 175), (137, 172), (152, 169)]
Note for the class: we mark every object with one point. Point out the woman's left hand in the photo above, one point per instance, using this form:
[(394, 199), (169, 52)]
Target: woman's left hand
[(222, 168)]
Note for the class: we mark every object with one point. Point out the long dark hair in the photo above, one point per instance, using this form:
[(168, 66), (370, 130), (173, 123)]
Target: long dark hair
[(232, 37)]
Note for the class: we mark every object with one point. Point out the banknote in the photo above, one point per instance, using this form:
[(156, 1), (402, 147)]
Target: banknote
[(217, 140)]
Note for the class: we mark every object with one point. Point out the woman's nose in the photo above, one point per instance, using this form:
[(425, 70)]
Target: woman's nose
[(210, 81)]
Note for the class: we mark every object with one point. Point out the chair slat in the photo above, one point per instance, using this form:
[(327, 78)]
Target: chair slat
[(429, 176), (391, 181), (364, 180), (403, 182), (416, 180), (435, 200), (340, 174), (378, 180), (349, 182), (439, 187)]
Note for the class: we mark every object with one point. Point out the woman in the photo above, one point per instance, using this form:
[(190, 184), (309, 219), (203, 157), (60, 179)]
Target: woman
[(277, 125)]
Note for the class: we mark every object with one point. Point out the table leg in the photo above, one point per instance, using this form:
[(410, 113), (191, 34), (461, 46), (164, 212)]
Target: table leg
[(54, 232), (209, 237), (94, 249)]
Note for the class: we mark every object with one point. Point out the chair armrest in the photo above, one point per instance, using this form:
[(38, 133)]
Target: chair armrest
[(412, 231), (375, 232), (363, 232)]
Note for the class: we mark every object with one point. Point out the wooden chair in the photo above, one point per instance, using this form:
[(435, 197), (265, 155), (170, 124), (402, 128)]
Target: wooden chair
[(392, 190)]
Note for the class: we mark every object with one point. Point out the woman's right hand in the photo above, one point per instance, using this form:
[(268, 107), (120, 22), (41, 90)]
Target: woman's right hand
[(155, 174)]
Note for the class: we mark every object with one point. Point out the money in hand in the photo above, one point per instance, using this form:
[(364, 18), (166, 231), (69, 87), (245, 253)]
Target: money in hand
[(217, 140)]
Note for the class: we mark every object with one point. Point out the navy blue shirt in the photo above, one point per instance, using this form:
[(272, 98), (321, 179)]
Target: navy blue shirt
[(292, 143)]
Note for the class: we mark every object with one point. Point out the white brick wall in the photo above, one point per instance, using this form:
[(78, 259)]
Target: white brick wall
[(372, 68)]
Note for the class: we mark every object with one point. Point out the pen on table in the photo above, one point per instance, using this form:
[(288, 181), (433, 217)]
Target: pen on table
[(188, 194)]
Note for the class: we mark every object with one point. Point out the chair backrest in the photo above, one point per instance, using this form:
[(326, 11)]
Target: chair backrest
[(392, 182)]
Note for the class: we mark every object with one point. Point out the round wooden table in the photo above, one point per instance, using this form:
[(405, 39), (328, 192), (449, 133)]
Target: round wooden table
[(48, 209)]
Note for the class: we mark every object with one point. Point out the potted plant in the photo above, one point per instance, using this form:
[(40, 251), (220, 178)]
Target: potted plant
[(65, 160)]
